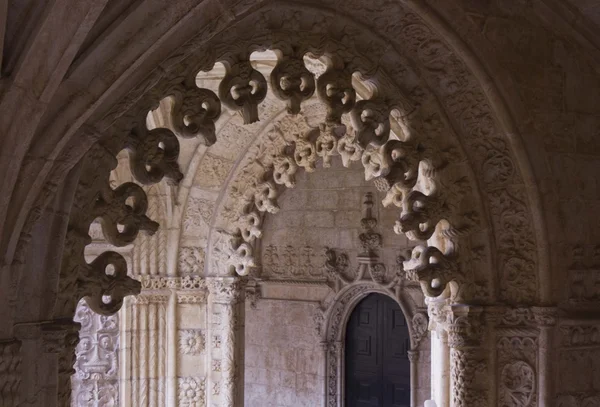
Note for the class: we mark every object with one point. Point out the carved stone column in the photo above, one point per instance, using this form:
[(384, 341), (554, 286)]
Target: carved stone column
[(226, 310), (144, 354), (440, 368), (545, 318), (468, 357), (413, 356)]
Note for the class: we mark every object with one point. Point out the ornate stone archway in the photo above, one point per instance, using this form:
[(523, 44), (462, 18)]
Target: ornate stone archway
[(428, 182), (453, 174)]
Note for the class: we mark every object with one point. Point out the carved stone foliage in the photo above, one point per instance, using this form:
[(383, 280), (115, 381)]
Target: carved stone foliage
[(198, 214), (517, 361), (191, 341), (191, 260), (288, 148), (518, 282), (194, 112), (176, 283), (419, 325), (467, 371), (192, 392), (290, 262), (96, 379), (229, 290), (212, 172), (10, 372)]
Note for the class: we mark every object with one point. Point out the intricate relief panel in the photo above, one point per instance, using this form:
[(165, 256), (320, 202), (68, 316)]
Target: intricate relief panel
[(291, 262), (419, 325), (198, 214), (518, 282), (517, 361), (191, 260), (192, 392), (96, 379), (584, 277), (191, 342), (212, 172)]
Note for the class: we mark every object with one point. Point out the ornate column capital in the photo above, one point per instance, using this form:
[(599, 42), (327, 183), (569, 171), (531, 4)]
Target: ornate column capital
[(413, 356), (226, 289), (469, 356), (465, 326)]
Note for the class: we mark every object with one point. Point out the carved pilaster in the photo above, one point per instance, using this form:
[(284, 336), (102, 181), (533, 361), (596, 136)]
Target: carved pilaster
[(96, 377), (546, 319), (333, 353), (226, 338), (61, 338), (414, 356), (468, 357)]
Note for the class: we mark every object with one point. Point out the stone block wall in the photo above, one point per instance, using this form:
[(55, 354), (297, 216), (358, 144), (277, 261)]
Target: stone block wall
[(325, 210), (284, 360)]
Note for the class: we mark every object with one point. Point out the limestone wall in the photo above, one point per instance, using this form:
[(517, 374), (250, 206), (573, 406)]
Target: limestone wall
[(284, 360)]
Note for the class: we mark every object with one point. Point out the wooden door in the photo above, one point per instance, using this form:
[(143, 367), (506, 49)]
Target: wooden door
[(377, 366)]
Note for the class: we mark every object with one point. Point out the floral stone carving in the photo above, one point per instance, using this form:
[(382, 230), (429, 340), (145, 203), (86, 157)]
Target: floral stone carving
[(191, 342), (192, 392)]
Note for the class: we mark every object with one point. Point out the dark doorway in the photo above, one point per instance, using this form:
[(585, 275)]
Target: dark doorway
[(377, 365)]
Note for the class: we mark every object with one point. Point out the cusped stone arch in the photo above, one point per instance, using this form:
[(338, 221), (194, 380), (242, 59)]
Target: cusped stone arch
[(439, 100), (333, 338)]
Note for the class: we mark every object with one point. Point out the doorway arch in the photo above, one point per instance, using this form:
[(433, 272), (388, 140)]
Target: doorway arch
[(377, 367), (334, 337)]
